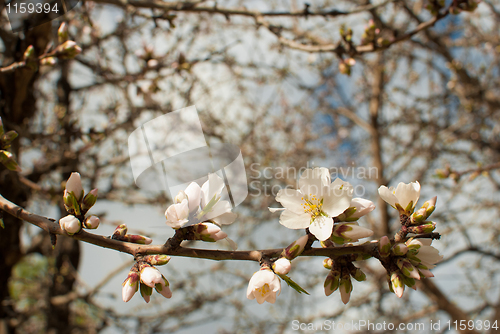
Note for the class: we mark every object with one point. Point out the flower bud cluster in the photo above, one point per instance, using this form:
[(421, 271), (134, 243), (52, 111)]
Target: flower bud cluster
[(339, 277), (120, 233), (77, 206), (144, 276), (418, 222), (67, 50), (407, 261)]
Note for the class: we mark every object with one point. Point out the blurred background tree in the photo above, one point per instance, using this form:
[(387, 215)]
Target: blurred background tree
[(410, 88)]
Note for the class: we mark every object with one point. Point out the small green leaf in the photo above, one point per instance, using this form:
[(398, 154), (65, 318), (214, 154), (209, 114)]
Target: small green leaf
[(292, 284)]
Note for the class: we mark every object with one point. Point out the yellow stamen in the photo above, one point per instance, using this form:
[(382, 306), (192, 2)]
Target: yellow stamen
[(312, 206), (264, 290)]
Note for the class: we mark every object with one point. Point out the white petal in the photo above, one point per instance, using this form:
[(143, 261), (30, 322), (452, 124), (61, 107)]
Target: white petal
[(212, 187), (226, 218), (219, 209), (295, 221), (271, 298), (312, 181), (406, 193), (429, 254), (387, 195), (193, 192), (337, 200), (291, 199), (273, 210), (357, 233), (363, 207), (420, 242), (321, 227)]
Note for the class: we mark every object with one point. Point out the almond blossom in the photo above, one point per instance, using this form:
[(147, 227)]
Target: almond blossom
[(315, 203), (198, 204), (423, 255), (404, 197), (263, 286)]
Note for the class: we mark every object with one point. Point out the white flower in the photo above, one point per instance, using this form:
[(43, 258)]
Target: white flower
[(151, 276), (198, 204), (70, 224), (177, 214), (315, 204), (405, 196), (282, 266), (74, 184), (420, 250), (212, 208), (263, 286)]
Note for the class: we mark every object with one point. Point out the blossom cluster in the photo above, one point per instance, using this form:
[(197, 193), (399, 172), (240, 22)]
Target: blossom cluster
[(325, 209), (144, 276), (203, 208), (78, 204), (408, 259)]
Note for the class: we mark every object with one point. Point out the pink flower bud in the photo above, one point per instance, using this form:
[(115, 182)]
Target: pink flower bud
[(92, 222), (295, 248), (70, 224), (49, 61), (130, 286), (384, 246), (209, 232), (89, 200), (163, 288), (400, 249), (137, 239), (74, 184), (119, 232), (282, 266), (156, 260), (68, 49), (397, 284), (62, 33), (150, 276), (146, 292)]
